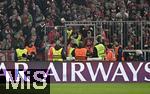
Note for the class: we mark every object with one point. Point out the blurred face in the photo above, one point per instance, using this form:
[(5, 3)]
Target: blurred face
[(38, 10), (25, 10), (14, 4), (1, 16), (8, 36), (89, 34), (33, 29), (15, 12), (89, 42), (123, 10), (69, 28), (0, 46), (31, 44), (75, 34), (68, 12), (7, 27), (74, 11), (113, 15)]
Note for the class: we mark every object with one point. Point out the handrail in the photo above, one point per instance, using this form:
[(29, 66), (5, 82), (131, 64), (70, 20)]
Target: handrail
[(136, 50), (102, 21)]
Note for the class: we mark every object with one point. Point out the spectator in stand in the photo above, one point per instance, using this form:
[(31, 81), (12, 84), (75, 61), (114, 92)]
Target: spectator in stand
[(49, 22), (53, 35), (2, 55), (12, 6), (15, 21), (86, 30), (146, 37), (33, 34), (29, 16), (7, 29), (2, 22), (26, 17), (27, 24), (7, 42), (32, 11), (122, 15), (39, 18), (19, 39)]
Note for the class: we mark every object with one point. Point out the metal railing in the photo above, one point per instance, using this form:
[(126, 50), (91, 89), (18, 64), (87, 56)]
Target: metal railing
[(123, 32), (130, 34), (146, 53)]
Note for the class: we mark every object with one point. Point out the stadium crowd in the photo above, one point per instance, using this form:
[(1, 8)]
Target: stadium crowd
[(22, 23)]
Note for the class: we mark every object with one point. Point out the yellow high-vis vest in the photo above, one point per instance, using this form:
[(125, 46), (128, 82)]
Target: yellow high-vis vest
[(100, 51), (20, 52), (70, 51), (57, 56)]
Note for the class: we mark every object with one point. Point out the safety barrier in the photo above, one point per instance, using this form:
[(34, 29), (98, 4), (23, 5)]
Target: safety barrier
[(132, 35), (7, 55)]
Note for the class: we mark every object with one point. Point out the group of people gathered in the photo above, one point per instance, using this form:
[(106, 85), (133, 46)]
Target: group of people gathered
[(78, 51)]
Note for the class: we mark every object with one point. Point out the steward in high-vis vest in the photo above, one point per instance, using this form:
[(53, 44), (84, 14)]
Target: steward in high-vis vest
[(58, 52), (99, 50), (69, 32), (70, 49), (21, 54), (119, 52), (80, 53), (76, 37), (31, 51), (110, 53)]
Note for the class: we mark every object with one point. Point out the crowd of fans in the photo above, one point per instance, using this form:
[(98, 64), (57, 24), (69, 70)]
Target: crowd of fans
[(23, 21)]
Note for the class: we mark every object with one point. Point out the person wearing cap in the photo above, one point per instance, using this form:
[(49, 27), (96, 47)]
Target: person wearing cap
[(58, 53), (99, 49)]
